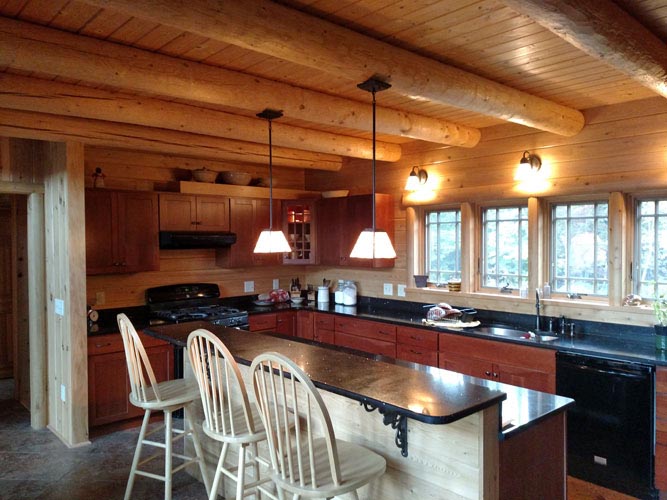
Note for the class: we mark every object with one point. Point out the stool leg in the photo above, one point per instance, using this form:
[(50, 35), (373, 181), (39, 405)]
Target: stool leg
[(240, 473), (167, 454), (200, 455), (137, 455), (218, 472), (255, 468)]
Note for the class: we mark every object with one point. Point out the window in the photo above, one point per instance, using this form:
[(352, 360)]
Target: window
[(505, 247), (443, 245), (579, 243), (651, 248)]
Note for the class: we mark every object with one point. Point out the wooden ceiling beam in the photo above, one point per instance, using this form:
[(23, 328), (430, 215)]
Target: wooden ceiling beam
[(31, 94), (43, 126), (605, 31), (269, 28), (29, 47)]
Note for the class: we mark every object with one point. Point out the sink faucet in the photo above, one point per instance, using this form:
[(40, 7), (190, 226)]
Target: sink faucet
[(537, 309)]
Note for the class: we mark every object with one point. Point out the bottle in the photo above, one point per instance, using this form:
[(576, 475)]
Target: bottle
[(349, 293), (546, 291), (338, 294)]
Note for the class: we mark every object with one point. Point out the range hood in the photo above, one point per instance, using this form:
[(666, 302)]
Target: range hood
[(195, 239)]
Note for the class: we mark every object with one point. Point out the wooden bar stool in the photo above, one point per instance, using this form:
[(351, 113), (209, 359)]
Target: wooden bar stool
[(151, 396), (228, 415), (306, 464)]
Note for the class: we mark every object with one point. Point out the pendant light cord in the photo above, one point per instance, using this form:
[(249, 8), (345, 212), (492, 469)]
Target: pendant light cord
[(373, 199), (270, 178)]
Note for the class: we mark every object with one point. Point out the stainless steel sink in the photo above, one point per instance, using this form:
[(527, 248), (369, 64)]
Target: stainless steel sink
[(500, 331)]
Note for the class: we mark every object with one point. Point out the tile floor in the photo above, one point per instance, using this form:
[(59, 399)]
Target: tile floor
[(36, 465)]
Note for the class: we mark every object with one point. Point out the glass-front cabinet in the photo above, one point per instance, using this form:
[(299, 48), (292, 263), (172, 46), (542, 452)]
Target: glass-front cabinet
[(299, 227)]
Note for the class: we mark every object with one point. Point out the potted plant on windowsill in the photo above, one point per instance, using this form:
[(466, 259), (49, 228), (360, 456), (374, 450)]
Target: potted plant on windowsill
[(660, 309)]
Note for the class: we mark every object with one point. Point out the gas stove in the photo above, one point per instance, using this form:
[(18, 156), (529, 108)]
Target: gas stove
[(192, 302)]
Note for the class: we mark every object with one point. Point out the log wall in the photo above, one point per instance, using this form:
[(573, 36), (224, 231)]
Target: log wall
[(622, 148)]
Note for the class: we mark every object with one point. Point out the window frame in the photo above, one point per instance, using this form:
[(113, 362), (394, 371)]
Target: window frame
[(632, 244), (423, 216)]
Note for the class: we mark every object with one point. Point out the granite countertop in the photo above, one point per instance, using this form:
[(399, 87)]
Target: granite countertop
[(427, 394)]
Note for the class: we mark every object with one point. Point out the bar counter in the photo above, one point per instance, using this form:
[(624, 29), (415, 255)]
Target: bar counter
[(444, 433)]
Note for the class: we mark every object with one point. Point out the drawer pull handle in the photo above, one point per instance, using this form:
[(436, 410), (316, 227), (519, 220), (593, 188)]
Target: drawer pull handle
[(416, 352), (102, 345)]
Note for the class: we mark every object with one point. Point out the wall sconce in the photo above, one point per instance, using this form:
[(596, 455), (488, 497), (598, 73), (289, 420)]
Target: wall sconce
[(529, 165), (417, 178)]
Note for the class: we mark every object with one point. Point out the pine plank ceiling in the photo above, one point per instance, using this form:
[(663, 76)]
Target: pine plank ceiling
[(484, 37)]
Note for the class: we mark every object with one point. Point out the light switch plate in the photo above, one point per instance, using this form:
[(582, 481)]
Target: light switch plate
[(388, 289), (59, 307), (100, 298), (248, 286), (276, 283), (63, 393), (400, 290)]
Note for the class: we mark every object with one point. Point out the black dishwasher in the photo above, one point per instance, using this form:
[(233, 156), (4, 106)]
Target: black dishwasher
[(610, 428)]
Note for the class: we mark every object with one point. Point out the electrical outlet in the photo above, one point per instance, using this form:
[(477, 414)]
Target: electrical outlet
[(248, 286), (100, 298), (276, 283), (400, 290), (63, 393), (388, 289)]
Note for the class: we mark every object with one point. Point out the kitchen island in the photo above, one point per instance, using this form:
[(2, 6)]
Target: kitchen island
[(449, 426)]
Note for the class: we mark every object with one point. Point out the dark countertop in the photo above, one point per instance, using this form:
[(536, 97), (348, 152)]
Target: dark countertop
[(624, 347), (427, 394)]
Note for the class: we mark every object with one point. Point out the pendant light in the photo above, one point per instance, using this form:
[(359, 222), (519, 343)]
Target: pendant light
[(373, 244), (271, 241)]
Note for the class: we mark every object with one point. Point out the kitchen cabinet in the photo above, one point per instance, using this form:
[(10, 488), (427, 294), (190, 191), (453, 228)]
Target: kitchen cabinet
[(661, 429), (339, 222), (248, 217), (283, 322), (121, 231), (417, 345), (305, 323), (523, 366), (369, 336), (299, 227), (108, 381), (180, 212), (323, 327)]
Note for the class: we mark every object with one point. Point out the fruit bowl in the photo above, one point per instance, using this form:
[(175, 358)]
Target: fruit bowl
[(236, 178)]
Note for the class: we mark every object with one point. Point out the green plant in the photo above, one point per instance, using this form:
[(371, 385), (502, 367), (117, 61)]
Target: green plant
[(660, 309)]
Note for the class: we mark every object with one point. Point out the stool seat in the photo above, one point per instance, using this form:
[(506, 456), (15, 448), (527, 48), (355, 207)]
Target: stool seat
[(177, 392)]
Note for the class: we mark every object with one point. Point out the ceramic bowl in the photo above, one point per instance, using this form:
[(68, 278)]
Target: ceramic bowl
[(236, 178), (297, 300), (204, 175)]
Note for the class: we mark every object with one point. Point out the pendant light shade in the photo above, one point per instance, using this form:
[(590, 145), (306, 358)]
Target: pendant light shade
[(373, 244), (271, 241)]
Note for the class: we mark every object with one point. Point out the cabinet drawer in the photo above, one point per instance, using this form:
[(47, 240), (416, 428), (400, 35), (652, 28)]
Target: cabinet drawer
[(325, 321), (417, 337), (364, 328), (366, 344), (113, 342), (262, 322), (661, 466), (417, 354)]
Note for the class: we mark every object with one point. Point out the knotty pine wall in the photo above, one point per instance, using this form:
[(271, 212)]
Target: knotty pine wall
[(148, 171), (621, 148)]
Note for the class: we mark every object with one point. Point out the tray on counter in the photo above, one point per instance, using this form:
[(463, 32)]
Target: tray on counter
[(450, 323)]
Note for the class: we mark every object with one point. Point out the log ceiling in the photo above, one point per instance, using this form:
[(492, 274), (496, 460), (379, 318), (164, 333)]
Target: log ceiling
[(188, 77)]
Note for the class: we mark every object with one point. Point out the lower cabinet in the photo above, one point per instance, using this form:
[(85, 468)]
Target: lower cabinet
[(108, 382), (369, 336), (323, 328), (305, 322), (661, 429), (529, 367), (417, 345), (283, 322)]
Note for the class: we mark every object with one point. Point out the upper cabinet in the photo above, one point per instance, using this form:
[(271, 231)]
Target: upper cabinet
[(248, 217), (179, 212), (299, 227), (121, 231), (339, 222)]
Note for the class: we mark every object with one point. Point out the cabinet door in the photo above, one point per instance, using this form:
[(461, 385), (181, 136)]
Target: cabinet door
[(100, 228), (416, 354), (138, 232), (178, 212), (358, 217), (661, 428), (299, 227), (108, 389), (330, 230), (304, 325), (365, 344), (212, 213), (325, 336), (525, 377), (465, 364), (285, 323), (262, 322)]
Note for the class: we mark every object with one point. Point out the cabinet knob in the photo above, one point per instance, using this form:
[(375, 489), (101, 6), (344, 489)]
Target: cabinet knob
[(487, 373), (495, 375)]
